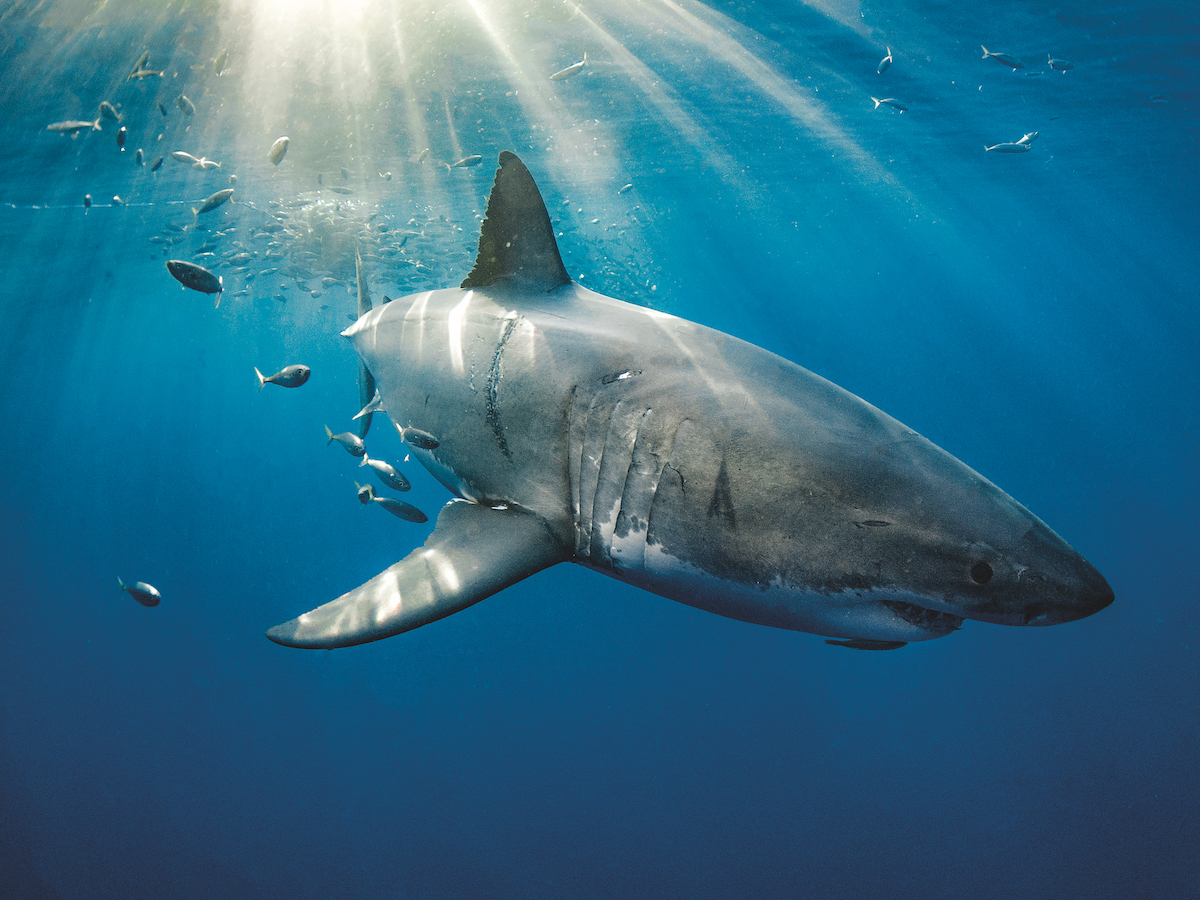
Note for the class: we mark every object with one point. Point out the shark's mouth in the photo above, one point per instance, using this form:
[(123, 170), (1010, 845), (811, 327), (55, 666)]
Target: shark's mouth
[(928, 619)]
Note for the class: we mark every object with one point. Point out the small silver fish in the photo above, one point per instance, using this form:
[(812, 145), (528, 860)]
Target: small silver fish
[(401, 510), (162, 108), (387, 473), (219, 62), (157, 164), (212, 202), (181, 156), (465, 163), (87, 200), (345, 174), (117, 201), (288, 377), (569, 71), (890, 101), (1029, 138), (352, 442), (338, 189), (885, 62), (73, 126), (145, 594), (205, 164), (141, 60), (421, 156), (139, 157), (278, 150), (188, 107), (122, 134), (1060, 64), (418, 438), (143, 73), (108, 111), (1017, 147), (1011, 61), (624, 188), (195, 277)]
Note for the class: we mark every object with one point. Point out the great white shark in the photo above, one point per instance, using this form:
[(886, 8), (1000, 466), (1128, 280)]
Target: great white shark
[(574, 427)]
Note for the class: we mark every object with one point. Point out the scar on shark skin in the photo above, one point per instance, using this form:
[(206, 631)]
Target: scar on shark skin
[(493, 387)]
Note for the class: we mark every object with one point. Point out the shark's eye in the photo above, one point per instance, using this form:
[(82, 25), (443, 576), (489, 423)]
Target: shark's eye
[(981, 573)]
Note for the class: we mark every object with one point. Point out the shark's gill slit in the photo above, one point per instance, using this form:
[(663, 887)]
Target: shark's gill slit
[(595, 431)]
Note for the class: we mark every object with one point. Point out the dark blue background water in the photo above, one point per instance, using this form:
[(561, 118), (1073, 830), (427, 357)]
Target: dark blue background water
[(1034, 314)]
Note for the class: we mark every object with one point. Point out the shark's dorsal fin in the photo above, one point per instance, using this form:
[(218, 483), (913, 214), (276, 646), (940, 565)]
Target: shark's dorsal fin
[(517, 239)]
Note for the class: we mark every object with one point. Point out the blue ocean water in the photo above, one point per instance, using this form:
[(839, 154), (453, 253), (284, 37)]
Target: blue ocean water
[(1033, 313)]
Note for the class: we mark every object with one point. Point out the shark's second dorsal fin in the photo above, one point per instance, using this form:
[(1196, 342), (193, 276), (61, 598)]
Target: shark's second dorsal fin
[(517, 239)]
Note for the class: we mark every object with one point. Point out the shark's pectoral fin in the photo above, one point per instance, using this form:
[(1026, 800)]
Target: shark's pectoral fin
[(474, 552)]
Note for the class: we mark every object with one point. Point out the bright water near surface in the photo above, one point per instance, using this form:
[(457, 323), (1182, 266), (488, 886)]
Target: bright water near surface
[(1035, 314)]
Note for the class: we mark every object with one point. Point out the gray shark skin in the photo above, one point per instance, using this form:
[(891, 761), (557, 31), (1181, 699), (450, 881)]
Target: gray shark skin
[(575, 427)]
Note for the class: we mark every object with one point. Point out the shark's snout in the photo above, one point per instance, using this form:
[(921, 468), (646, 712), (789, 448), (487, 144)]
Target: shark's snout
[(1050, 583), (1071, 587), (1085, 593)]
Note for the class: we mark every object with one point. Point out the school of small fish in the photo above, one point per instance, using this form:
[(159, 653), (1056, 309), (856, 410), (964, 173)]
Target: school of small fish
[(1021, 146)]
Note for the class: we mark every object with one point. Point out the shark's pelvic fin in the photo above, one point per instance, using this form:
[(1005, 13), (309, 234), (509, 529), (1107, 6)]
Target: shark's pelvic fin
[(517, 239), (868, 644), (474, 552)]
